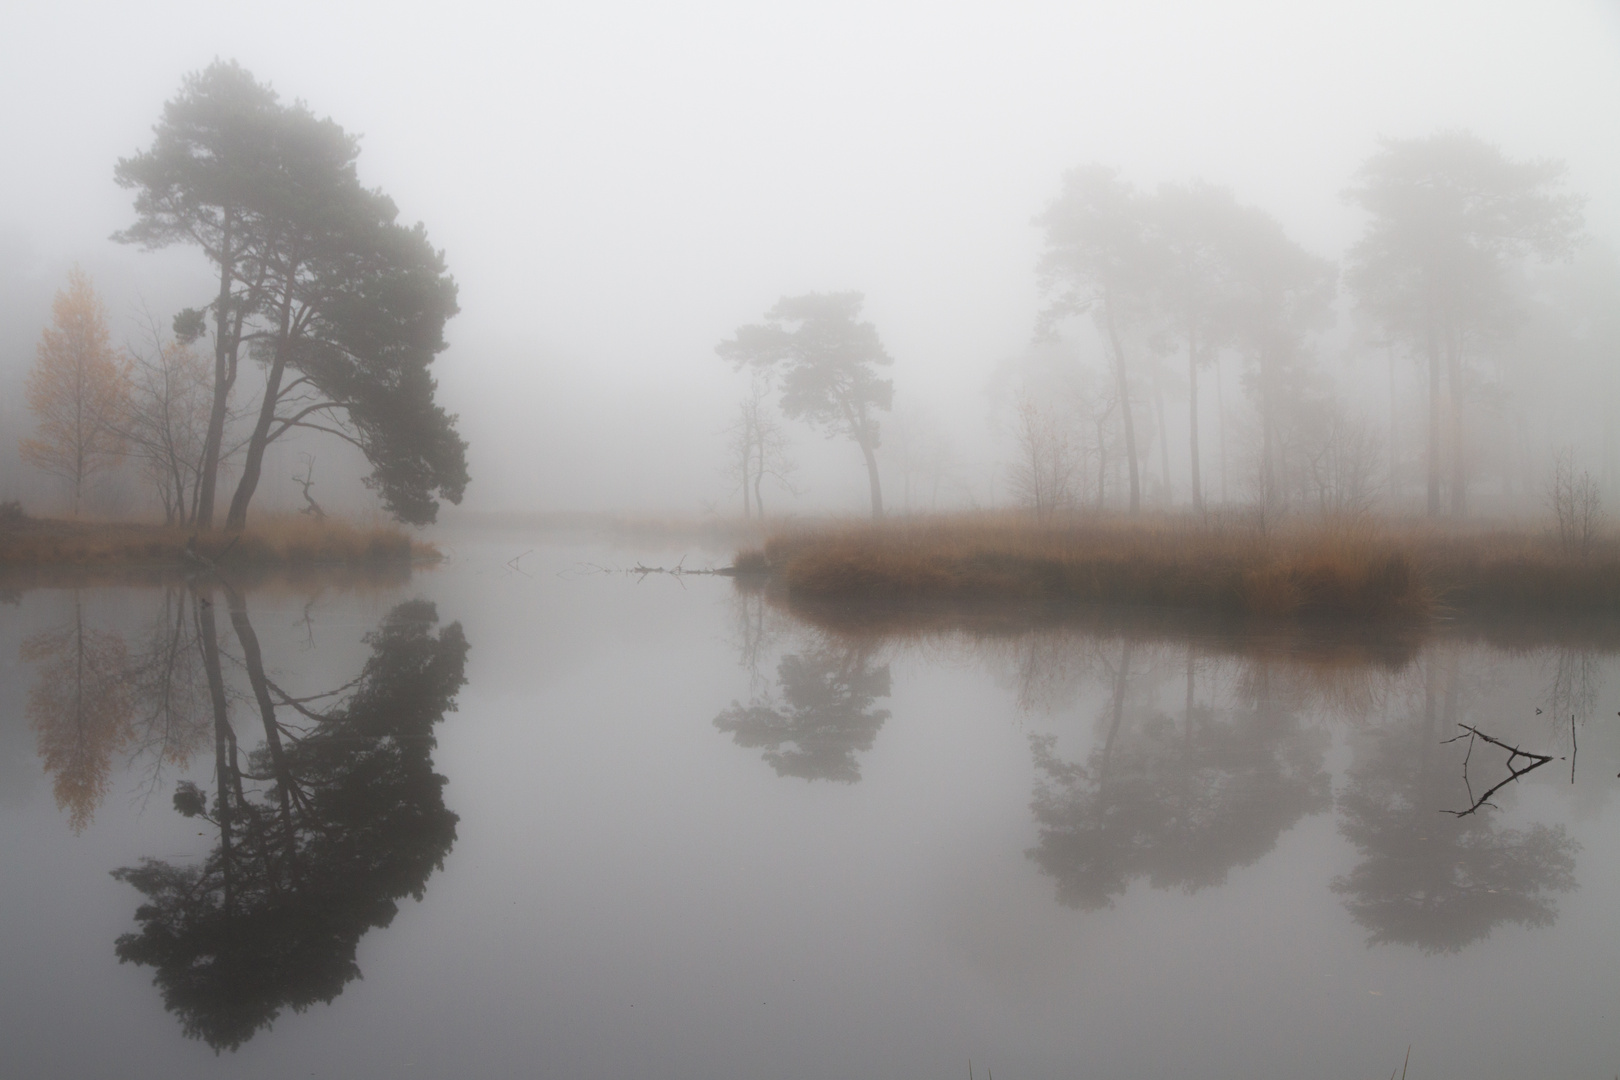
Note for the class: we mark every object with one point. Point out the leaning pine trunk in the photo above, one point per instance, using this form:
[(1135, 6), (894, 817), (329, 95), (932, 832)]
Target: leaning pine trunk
[(203, 502), (253, 464)]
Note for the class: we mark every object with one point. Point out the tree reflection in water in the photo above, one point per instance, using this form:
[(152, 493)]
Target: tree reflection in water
[(1179, 802), (1432, 879), (825, 718), (80, 708), (322, 829)]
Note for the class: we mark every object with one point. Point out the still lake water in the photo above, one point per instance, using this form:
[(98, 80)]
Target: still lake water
[(682, 833)]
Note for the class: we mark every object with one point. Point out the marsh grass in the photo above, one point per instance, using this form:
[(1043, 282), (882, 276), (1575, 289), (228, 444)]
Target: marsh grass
[(1321, 569), (281, 541)]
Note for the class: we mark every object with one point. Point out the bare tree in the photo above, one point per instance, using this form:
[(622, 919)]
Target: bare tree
[(165, 420), (1050, 467), (1577, 505), (925, 454), (307, 481), (758, 448), (828, 363)]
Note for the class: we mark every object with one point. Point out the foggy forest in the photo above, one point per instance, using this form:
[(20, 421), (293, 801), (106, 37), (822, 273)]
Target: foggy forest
[(1409, 308)]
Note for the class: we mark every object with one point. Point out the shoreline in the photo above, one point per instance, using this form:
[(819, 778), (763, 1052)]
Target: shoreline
[(52, 547)]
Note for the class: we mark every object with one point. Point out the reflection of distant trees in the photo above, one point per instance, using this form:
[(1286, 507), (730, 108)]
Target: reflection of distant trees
[(94, 700), (334, 818), (825, 717), (757, 632), (1432, 879), (1179, 802), (80, 708)]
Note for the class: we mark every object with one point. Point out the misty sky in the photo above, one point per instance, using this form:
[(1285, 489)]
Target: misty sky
[(617, 186)]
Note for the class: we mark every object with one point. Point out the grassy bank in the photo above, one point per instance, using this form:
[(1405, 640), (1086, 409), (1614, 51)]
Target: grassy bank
[(271, 541), (1322, 570)]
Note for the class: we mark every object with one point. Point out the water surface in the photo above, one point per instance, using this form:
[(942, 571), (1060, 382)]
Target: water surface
[(533, 819)]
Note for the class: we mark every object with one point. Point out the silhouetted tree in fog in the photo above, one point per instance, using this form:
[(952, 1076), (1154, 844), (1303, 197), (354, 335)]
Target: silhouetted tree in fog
[(343, 306), (1195, 228), (757, 448), (827, 361), (1097, 262), (1448, 214), (1282, 293)]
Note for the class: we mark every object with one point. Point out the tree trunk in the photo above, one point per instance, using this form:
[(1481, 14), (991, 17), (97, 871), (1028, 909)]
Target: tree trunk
[(1164, 440), (1394, 471), (253, 463), (1192, 409), (872, 475), (1434, 421), (1124, 405), (1459, 463), (1220, 421), (203, 504)]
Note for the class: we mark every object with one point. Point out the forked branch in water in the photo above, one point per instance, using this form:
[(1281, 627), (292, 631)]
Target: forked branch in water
[(1514, 753)]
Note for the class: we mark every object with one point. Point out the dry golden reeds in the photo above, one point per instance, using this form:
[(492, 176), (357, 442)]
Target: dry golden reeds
[(271, 541), (1317, 569)]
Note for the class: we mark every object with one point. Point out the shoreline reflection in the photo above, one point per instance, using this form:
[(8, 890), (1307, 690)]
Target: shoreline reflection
[(1181, 793)]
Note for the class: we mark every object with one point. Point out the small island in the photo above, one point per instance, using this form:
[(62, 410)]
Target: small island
[(1356, 568)]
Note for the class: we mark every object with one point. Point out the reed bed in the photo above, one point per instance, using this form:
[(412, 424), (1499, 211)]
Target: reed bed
[(270, 541), (1322, 569)]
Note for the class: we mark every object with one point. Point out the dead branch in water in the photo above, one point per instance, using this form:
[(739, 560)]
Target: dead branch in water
[(1514, 753), (641, 570)]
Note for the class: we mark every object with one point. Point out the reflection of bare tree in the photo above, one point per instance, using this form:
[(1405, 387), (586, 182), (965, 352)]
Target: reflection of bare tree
[(337, 816), (1576, 683), (757, 632), (1180, 802), (825, 718), (1049, 669), (169, 688), (1431, 879), (79, 707)]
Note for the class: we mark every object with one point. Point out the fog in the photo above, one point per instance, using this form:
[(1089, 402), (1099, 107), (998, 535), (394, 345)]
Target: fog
[(617, 188)]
